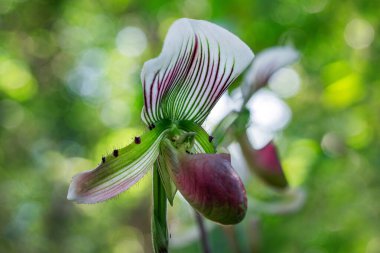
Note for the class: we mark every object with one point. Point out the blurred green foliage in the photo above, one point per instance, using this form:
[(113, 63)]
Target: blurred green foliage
[(70, 91)]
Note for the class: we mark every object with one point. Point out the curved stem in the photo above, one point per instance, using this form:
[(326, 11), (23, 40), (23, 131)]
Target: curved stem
[(202, 233)]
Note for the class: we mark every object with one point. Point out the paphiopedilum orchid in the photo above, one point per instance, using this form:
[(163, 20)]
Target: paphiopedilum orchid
[(198, 62), (263, 161)]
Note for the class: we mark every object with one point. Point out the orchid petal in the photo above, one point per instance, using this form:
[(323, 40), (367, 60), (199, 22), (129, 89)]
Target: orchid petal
[(208, 182), (264, 162), (268, 111), (264, 66), (118, 171), (198, 62)]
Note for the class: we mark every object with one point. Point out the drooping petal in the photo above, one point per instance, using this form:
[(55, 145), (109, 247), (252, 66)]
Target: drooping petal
[(198, 62), (118, 171), (264, 162), (265, 65), (209, 183)]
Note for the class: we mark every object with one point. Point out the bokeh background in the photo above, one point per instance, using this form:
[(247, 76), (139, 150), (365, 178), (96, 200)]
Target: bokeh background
[(70, 92)]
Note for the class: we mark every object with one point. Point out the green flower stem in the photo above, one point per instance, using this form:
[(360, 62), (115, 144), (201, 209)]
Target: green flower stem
[(159, 224)]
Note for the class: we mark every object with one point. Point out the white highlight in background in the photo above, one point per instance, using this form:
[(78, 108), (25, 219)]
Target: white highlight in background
[(131, 41)]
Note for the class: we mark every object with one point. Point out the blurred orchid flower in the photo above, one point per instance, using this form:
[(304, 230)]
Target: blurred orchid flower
[(198, 62), (264, 162), (264, 66), (262, 113)]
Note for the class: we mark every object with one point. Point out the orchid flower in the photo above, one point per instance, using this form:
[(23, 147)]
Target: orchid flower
[(198, 62), (264, 161), (264, 66)]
